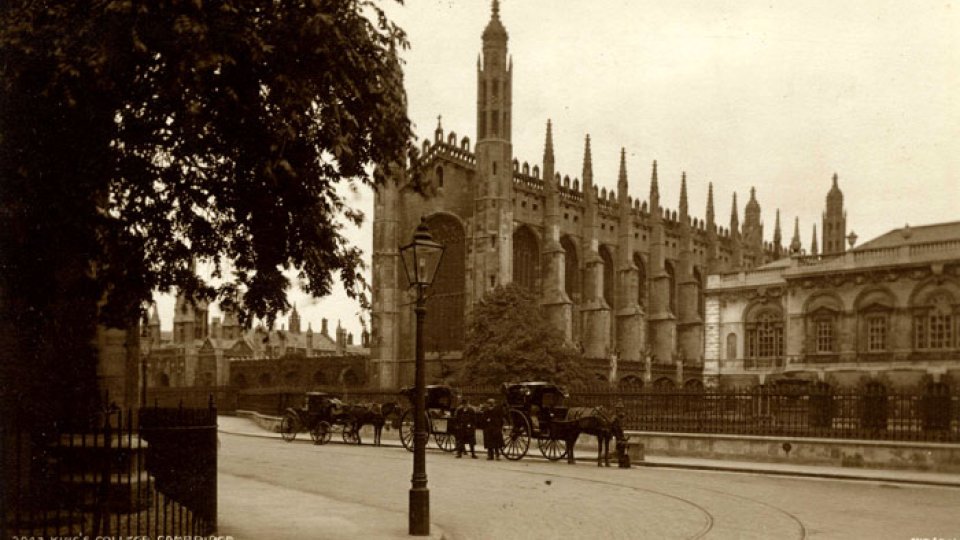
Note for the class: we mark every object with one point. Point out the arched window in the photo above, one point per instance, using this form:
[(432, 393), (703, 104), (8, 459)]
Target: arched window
[(443, 327), (571, 269), (642, 279), (663, 383), (608, 275), (731, 346), (526, 260), (765, 334), (164, 380), (672, 286), (822, 319), (873, 321), (240, 380), (290, 378), (265, 380), (439, 176), (350, 378), (933, 324), (319, 378)]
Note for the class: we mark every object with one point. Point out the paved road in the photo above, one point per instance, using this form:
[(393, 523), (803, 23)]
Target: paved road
[(538, 499)]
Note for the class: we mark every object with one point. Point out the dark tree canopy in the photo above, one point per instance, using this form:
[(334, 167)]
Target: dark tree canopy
[(509, 339), (137, 137)]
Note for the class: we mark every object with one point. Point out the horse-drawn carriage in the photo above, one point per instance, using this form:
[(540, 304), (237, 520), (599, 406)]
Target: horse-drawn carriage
[(321, 411), (440, 400), (537, 411)]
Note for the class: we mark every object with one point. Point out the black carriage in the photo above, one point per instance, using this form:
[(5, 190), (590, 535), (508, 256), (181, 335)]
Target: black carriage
[(534, 406), (321, 411), (440, 400)]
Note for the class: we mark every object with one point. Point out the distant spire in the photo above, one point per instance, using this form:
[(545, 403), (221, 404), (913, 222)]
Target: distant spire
[(622, 177), (734, 217), (795, 245), (684, 209), (548, 144), (587, 162), (814, 250), (654, 189), (496, 9), (711, 216), (777, 237)]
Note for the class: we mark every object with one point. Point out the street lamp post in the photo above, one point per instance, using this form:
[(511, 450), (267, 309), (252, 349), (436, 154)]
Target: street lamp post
[(421, 258)]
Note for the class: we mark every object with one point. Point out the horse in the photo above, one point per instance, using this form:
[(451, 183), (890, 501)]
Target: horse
[(375, 414), (589, 420)]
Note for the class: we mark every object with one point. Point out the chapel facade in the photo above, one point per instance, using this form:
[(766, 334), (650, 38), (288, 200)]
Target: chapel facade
[(621, 278)]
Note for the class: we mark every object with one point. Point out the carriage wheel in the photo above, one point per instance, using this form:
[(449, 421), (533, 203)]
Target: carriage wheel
[(516, 436), (406, 430), (350, 435), (321, 432), (552, 449), (446, 441), (289, 426)]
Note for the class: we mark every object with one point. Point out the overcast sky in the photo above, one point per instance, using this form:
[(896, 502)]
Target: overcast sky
[(776, 95)]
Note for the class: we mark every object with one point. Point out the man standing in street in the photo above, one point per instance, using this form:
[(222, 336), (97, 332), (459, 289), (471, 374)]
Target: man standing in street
[(466, 428), (493, 429)]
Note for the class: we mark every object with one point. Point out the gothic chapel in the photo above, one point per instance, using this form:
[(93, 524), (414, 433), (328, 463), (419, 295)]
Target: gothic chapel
[(621, 277)]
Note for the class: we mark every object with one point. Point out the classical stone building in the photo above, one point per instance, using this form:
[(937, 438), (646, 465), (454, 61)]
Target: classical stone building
[(201, 350), (885, 312), (619, 276)]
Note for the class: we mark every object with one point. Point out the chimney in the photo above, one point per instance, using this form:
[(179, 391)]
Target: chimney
[(323, 328)]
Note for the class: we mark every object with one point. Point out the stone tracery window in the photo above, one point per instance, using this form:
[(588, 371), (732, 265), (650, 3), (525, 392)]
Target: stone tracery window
[(608, 275), (444, 326), (641, 279), (526, 260)]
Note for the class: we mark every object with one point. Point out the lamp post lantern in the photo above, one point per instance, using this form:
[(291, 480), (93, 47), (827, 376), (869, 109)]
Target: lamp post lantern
[(421, 259)]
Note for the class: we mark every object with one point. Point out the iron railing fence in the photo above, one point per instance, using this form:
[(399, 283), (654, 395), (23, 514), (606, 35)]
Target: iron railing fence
[(930, 413), (121, 473)]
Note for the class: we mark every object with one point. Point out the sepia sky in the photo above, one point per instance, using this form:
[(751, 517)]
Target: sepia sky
[(775, 95)]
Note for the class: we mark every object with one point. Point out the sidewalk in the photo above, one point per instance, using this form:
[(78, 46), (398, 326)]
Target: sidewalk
[(243, 426)]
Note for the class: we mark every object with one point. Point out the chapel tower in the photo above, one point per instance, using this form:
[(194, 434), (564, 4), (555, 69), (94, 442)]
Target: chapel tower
[(834, 221), (492, 231)]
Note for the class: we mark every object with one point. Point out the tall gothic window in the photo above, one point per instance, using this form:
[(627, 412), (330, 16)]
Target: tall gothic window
[(642, 279), (701, 305), (765, 335), (933, 324), (526, 260), (608, 275), (444, 326), (571, 269), (672, 284)]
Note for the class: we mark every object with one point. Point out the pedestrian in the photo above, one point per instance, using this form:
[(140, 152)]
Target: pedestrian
[(465, 431), (492, 421), (616, 429)]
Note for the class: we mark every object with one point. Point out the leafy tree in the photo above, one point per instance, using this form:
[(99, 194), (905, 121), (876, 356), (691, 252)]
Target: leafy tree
[(509, 339), (139, 136)]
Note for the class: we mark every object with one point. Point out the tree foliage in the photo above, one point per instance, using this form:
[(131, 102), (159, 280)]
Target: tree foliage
[(137, 137), (509, 339)]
